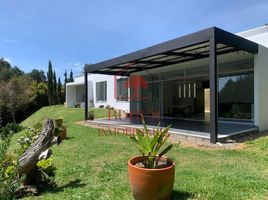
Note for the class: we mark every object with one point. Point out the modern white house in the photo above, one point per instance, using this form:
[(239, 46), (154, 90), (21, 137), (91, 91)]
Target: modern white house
[(211, 81), (103, 90)]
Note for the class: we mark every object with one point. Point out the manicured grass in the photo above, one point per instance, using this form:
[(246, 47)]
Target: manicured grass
[(95, 167)]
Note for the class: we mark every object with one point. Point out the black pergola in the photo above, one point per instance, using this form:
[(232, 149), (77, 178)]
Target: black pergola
[(206, 43)]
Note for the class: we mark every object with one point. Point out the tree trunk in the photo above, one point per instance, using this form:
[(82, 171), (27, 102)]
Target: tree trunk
[(13, 115), (28, 160)]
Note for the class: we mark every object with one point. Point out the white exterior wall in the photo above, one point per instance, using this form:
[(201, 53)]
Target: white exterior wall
[(92, 80), (79, 79), (260, 36), (70, 95), (111, 97), (261, 88)]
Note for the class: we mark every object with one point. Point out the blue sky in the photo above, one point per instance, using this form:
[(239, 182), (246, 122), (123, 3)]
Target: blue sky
[(72, 33)]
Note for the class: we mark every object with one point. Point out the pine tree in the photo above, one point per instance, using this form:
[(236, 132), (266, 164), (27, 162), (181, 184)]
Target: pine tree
[(50, 83), (71, 77), (55, 95), (65, 82), (59, 87)]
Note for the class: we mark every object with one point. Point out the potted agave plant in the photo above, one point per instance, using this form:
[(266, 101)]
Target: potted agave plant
[(151, 174)]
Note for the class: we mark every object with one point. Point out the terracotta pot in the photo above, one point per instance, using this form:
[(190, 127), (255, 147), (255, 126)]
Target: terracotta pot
[(151, 184)]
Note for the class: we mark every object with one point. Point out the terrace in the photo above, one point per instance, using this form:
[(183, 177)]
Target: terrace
[(186, 83)]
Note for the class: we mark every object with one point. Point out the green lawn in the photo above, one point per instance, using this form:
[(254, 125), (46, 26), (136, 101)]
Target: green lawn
[(94, 167)]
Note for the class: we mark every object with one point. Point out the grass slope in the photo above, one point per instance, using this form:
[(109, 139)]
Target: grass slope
[(94, 167)]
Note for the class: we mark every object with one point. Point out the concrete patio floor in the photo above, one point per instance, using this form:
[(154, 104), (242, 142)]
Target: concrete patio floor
[(188, 128)]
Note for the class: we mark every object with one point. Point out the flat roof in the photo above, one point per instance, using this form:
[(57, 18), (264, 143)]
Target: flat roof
[(254, 31), (183, 49), (75, 83)]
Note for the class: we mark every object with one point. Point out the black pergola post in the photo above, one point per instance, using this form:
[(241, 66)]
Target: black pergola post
[(86, 96), (213, 91)]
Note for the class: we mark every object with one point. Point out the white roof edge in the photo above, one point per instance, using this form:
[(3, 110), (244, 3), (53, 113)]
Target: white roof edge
[(78, 76), (75, 83), (253, 31)]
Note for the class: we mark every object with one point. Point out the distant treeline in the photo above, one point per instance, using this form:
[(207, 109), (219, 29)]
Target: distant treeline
[(21, 94)]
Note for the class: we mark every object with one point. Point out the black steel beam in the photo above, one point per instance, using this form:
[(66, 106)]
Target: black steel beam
[(117, 73), (197, 55), (86, 95), (213, 91), (199, 37), (181, 61), (230, 39), (149, 62)]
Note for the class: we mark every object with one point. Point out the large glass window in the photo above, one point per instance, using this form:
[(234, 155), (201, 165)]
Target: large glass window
[(236, 96), (236, 90), (122, 89), (184, 93), (101, 91), (80, 93)]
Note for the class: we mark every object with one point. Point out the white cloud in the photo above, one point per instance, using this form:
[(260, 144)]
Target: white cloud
[(75, 66), (23, 16), (4, 41), (78, 65), (6, 23)]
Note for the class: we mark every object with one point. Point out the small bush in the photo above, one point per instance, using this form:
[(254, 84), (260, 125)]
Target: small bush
[(9, 179), (9, 129), (29, 137), (91, 115), (47, 166)]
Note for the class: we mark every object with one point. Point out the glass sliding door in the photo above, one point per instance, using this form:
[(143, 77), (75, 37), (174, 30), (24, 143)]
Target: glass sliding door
[(235, 96), (150, 96), (236, 91), (145, 95), (184, 93)]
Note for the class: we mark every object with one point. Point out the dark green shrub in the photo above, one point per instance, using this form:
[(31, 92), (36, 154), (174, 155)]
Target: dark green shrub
[(9, 129), (91, 115)]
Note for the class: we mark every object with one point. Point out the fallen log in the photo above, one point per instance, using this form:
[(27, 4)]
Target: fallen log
[(29, 159)]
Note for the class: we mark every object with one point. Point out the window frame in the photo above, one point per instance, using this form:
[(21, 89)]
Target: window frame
[(102, 87), (119, 90)]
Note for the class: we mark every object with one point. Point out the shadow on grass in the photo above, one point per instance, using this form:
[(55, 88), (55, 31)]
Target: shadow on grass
[(69, 138), (179, 195), (55, 189), (72, 184)]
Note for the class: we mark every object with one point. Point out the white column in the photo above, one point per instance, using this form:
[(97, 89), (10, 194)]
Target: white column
[(261, 88)]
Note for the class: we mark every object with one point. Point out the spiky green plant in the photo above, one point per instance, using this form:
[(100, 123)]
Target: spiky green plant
[(151, 147)]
